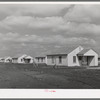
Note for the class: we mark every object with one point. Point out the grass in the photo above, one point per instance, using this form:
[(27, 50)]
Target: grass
[(23, 76)]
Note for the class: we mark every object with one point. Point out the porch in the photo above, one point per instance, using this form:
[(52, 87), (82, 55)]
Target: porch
[(86, 60)]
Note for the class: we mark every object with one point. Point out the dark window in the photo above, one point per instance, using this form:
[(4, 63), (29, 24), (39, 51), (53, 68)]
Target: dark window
[(60, 59), (74, 59), (53, 60), (80, 58), (41, 59), (21, 59)]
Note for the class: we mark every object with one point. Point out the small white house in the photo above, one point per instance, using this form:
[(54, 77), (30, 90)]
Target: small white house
[(19, 59), (40, 59), (72, 57), (8, 60), (28, 59), (65, 58), (2, 60), (88, 57)]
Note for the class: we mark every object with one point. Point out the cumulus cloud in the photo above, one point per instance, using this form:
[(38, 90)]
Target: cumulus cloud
[(8, 36), (33, 22), (79, 28), (33, 26), (58, 39), (54, 23), (84, 13), (43, 10)]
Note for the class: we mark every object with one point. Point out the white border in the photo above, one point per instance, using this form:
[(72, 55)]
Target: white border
[(50, 2), (41, 93)]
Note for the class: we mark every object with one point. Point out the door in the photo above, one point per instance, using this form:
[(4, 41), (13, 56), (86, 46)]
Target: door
[(80, 60), (85, 61), (53, 60)]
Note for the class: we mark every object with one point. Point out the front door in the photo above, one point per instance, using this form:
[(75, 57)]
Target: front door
[(85, 61)]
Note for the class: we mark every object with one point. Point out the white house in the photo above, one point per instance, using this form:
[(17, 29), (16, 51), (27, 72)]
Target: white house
[(28, 59), (72, 57), (40, 59), (19, 59), (8, 60), (88, 57), (2, 59)]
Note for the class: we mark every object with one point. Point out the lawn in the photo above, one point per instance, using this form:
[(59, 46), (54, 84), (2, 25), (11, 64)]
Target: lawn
[(24, 76)]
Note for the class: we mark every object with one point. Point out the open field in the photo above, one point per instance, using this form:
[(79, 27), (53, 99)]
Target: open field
[(42, 77)]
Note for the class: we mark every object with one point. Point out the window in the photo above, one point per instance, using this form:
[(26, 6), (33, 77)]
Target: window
[(38, 59), (41, 59), (80, 58), (74, 59), (21, 59), (60, 59), (53, 60)]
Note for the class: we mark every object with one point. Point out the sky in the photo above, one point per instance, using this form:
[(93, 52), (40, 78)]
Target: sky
[(37, 29)]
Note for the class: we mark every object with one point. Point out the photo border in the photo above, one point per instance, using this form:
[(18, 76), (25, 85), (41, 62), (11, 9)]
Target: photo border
[(40, 94)]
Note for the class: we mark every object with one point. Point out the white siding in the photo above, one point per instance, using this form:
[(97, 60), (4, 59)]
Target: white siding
[(40, 60), (21, 59), (14, 60), (74, 53), (94, 61), (56, 60)]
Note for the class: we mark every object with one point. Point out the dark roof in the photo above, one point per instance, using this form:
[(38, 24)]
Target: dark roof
[(83, 51), (62, 51)]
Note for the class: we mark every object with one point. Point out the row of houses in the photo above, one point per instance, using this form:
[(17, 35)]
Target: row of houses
[(78, 56), (17, 59)]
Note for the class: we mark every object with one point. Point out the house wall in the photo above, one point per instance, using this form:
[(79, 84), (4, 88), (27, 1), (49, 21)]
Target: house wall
[(98, 60), (94, 61), (40, 60), (74, 53), (56, 60), (21, 60), (31, 61), (91, 61), (2, 60), (26, 60), (15, 60), (8, 60)]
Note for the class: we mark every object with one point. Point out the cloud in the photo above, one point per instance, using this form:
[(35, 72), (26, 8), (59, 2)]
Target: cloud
[(43, 10), (84, 13), (8, 36), (55, 23), (55, 39), (33, 22), (74, 28), (37, 28)]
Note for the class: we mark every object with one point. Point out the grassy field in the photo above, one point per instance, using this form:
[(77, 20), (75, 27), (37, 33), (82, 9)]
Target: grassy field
[(42, 77)]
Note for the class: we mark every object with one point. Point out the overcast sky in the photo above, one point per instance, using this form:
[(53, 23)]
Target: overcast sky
[(36, 29)]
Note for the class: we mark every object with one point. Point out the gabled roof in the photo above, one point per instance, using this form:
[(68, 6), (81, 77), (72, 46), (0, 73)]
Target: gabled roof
[(28, 57), (17, 56), (62, 51), (40, 56), (83, 51), (8, 57)]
